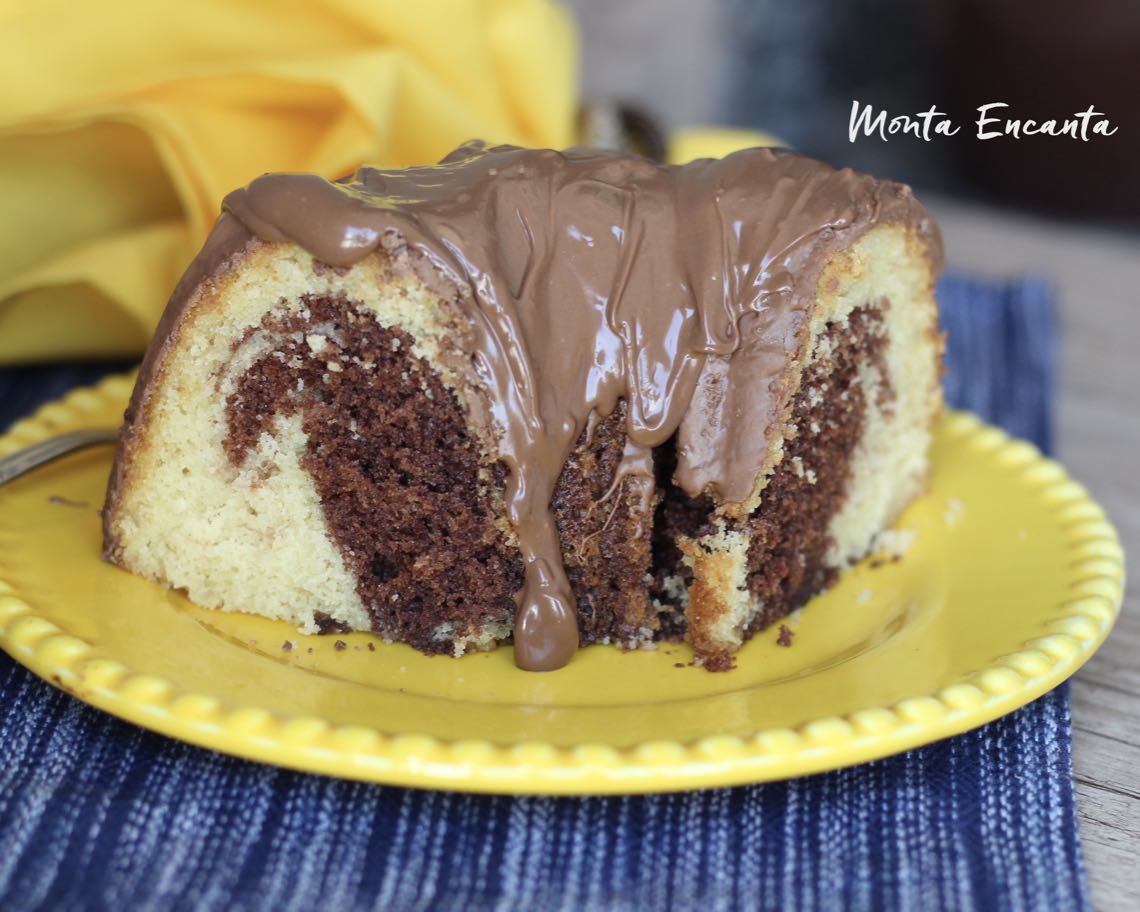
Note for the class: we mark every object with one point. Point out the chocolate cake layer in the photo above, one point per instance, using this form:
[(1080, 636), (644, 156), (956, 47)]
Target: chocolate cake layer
[(788, 534), (788, 540), (388, 449), (604, 524)]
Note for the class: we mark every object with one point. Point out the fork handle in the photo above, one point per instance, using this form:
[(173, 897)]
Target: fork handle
[(16, 464)]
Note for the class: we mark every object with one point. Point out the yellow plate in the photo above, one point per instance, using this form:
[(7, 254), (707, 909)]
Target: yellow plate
[(1013, 579)]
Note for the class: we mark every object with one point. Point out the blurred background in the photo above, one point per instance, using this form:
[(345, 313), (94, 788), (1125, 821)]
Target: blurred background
[(115, 153), (793, 69)]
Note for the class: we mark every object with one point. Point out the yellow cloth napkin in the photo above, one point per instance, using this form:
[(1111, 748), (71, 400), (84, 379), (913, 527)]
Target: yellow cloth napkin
[(123, 124)]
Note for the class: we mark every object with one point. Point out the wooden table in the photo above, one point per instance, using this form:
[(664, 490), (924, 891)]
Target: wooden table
[(1098, 280)]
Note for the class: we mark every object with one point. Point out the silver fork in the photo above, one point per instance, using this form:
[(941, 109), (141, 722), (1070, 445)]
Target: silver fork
[(16, 464)]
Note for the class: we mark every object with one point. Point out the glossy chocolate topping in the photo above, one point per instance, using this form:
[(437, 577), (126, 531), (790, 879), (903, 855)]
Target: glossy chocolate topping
[(591, 277)]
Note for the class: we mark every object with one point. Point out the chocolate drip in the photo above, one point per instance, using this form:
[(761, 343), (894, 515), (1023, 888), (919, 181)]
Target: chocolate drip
[(591, 278)]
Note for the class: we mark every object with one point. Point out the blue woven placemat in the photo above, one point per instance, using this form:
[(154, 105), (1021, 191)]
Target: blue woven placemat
[(98, 814)]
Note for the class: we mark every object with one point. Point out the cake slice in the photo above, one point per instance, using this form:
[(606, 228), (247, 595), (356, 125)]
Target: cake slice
[(557, 398)]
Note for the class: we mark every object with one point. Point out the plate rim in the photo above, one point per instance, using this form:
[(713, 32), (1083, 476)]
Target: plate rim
[(1086, 615)]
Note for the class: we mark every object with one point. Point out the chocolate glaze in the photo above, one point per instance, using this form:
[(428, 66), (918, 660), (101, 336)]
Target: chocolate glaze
[(591, 277)]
